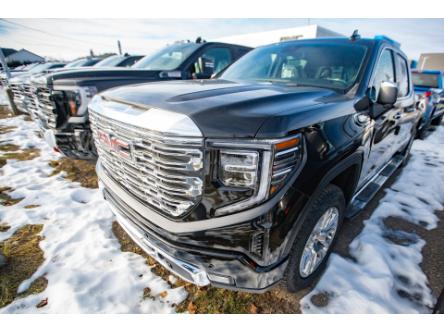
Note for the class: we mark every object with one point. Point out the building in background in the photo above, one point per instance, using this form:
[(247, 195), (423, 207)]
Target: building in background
[(273, 36), (16, 58), (431, 61)]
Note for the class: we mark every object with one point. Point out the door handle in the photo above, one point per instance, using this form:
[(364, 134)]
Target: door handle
[(397, 116)]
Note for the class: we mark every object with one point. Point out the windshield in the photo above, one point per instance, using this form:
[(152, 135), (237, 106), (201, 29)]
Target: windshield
[(109, 61), (329, 65), (40, 68), (168, 58), (75, 63), (425, 80)]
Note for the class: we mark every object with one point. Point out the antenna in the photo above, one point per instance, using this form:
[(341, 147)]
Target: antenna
[(355, 35)]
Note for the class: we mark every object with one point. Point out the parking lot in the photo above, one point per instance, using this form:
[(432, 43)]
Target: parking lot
[(66, 253)]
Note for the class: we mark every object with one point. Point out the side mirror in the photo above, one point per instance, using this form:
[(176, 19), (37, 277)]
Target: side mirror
[(388, 93)]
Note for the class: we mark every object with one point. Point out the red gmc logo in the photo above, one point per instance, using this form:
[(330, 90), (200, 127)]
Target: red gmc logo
[(119, 146)]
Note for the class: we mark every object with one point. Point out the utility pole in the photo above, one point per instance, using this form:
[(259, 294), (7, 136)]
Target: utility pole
[(119, 46)]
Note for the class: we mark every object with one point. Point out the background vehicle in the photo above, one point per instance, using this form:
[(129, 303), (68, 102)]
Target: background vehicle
[(18, 86), (63, 97), (429, 87), (119, 61), (245, 180), (23, 97), (83, 62), (431, 61)]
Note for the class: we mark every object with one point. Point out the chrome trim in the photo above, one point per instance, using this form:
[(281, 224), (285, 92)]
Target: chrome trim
[(198, 276), (284, 152), (46, 112), (165, 172), (201, 225), (153, 119)]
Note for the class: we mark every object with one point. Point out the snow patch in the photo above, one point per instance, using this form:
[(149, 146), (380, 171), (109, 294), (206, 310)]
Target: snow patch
[(85, 268), (385, 276)]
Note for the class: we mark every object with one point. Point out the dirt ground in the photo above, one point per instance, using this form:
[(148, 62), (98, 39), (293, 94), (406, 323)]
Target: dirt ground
[(207, 299)]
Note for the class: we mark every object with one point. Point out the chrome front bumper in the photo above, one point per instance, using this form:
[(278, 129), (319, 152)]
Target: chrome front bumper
[(184, 270)]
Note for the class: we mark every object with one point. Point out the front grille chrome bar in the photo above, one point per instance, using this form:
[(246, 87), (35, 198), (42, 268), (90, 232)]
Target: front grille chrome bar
[(163, 171)]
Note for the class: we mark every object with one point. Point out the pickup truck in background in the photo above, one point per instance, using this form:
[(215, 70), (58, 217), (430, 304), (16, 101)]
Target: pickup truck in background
[(14, 85), (62, 98), (429, 89), (119, 61), (23, 98), (245, 180)]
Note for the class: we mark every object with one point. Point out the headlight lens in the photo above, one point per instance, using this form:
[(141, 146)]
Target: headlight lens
[(238, 169), (74, 101), (258, 168), (78, 98)]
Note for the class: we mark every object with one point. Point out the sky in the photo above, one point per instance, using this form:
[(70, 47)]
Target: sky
[(67, 39)]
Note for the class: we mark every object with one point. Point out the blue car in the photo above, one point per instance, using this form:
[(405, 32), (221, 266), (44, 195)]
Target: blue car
[(428, 85)]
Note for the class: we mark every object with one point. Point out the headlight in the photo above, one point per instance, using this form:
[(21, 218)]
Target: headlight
[(250, 172), (238, 168), (77, 98)]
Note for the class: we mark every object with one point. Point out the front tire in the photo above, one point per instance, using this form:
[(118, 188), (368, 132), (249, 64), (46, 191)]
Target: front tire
[(315, 240)]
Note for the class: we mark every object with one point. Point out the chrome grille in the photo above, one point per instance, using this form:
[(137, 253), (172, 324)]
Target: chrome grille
[(18, 96), (45, 107), (28, 92), (162, 171)]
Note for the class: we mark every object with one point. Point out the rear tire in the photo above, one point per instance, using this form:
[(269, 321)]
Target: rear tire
[(437, 121), (421, 133), (327, 203)]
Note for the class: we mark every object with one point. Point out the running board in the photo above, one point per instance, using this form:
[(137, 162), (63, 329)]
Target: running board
[(368, 191)]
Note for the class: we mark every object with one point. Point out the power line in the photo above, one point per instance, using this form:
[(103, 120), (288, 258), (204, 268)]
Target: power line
[(52, 34)]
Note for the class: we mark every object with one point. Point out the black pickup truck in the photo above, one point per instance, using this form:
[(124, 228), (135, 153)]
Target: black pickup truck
[(244, 181), (62, 97)]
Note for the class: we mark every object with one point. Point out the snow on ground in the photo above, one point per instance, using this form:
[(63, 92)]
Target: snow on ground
[(385, 276), (3, 97), (88, 273), (85, 268)]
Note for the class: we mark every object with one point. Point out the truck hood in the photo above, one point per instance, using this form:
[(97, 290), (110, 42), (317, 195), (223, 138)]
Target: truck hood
[(93, 76), (221, 108)]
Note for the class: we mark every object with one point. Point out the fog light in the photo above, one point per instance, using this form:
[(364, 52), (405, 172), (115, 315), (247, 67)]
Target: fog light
[(222, 279)]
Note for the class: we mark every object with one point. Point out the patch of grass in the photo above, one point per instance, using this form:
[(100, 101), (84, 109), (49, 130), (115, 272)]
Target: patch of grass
[(127, 245), (6, 129), (20, 155), (215, 300), (80, 171), (36, 287), (9, 147), (23, 257), (5, 112), (5, 198), (31, 206), (4, 227)]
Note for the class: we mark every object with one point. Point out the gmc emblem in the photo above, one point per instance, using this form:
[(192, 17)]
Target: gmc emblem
[(119, 146)]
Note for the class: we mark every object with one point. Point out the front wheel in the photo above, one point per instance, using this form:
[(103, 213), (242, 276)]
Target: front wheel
[(315, 240)]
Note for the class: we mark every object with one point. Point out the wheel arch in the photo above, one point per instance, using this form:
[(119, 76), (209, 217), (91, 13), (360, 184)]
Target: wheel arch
[(337, 175)]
